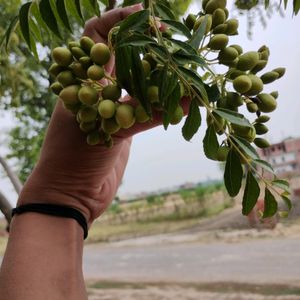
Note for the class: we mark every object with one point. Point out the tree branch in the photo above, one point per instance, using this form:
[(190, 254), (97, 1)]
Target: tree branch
[(5, 207), (12, 176)]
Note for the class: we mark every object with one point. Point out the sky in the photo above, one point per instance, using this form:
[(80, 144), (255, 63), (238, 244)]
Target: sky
[(161, 159)]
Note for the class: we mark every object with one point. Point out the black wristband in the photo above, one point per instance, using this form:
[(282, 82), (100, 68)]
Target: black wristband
[(54, 210)]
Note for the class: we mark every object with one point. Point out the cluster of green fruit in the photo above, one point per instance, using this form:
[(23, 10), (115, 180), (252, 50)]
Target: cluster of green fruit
[(79, 71), (241, 74)]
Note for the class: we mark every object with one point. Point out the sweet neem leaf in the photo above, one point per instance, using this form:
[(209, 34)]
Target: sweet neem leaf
[(264, 165), (182, 58), (213, 92), (136, 39), (49, 17), (251, 193), (24, 22), (192, 122), (183, 46), (62, 12), (178, 27), (233, 117), (210, 143), (8, 32), (282, 184), (233, 174), (271, 205), (163, 11), (198, 35), (245, 146), (287, 201)]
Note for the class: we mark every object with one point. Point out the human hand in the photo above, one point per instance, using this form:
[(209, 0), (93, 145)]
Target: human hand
[(71, 172)]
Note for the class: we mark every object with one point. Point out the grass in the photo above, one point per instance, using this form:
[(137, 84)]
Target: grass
[(218, 287)]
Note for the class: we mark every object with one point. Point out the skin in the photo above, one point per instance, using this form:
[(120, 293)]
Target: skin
[(43, 259)]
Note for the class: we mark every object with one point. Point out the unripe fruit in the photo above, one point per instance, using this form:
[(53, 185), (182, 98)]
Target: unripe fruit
[(267, 103), (204, 3), (87, 114), (88, 95), (56, 88), (218, 17), (190, 21), (177, 115), (153, 94), (220, 29), (222, 153), (248, 60), (55, 69), (217, 121), (261, 128), (269, 77), (100, 54), (111, 92), (87, 127), (125, 115), (274, 94), (149, 58), (280, 71), (69, 95), (167, 33), (86, 44), (233, 73), (72, 44), (147, 67), (252, 107), (201, 20), (110, 126), (234, 99), (73, 108), (262, 119), (95, 72), (238, 48), (93, 138), (212, 5), (141, 115), (228, 54), (257, 85), (62, 56), (66, 78), (232, 26), (78, 70), (231, 64), (226, 12), (259, 66), (77, 52), (261, 143), (107, 109), (218, 42), (86, 61), (242, 84), (247, 133)]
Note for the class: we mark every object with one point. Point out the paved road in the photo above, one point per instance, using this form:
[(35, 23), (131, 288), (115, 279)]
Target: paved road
[(253, 261)]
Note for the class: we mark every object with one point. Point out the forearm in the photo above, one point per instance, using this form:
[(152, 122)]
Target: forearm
[(43, 259)]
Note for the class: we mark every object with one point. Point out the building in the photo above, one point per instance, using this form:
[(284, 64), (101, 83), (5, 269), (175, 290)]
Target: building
[(284, 157)]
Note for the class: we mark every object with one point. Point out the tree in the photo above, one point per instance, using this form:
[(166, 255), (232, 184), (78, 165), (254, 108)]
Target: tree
[(45, 23)]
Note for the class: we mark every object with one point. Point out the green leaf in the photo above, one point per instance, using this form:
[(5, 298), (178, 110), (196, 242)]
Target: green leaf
[(195, 80), (287, 201), (8, 32), (213, 92), (78, 8), (198, 35), (296, 6), (35, 30), (233, 174), (61, 10), (182, 58), (282, 184), (264, 165), (183, 46), (251, 193), (105, 2), (178, 27), (210, 143), (35, 12), (137, 22), (130, 2), (192, 122), (24, 23), (246, 147), (136, 39), (49, 17), (164, 12), (233, 117), (271, 205)]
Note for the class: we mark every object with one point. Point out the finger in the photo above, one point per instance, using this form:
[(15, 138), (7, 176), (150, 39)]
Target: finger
[(98, 28), (157, 119)]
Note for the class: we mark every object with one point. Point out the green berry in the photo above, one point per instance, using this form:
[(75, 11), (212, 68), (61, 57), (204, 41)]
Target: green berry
[(242, 84), (218, 42), (125, 115), (86, 44), (280, 71), (269, 77), (267, 103), (93, 138), (232, 26), (177, 115), (141, 115), (261, 128), (248, 61), (257, 85), (111, 92), (100, 54), (262, 119), (222, 153), (78, 52), (56, 88), (261, 143), (87, 127), (95, 72), (190, 21), (218, 17), (62, 56), (87, 114), (88, 95), (107, 109), (69, 94), (234, 99), (110, 126), (153, 94)]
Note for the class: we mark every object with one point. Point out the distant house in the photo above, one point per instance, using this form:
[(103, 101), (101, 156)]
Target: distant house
[(284, 157)]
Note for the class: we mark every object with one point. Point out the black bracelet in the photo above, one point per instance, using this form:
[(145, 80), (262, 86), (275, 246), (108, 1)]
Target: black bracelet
[(54, 210)]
